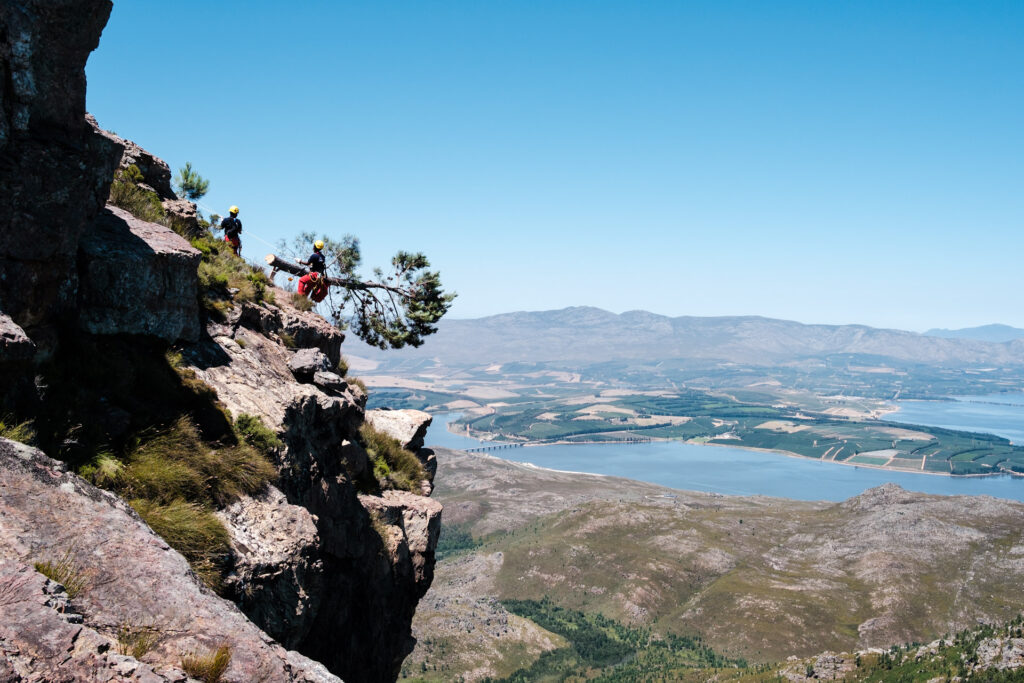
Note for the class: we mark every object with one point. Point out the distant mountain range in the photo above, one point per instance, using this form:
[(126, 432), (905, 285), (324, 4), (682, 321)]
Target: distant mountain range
[(990, 333), (586, 335)]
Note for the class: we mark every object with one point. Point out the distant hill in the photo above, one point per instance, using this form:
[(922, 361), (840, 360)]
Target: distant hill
[(586, 335), (990, 333)]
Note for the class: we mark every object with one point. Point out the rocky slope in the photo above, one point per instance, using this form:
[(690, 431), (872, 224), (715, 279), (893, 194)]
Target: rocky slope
[(760, 578), (319, 564)]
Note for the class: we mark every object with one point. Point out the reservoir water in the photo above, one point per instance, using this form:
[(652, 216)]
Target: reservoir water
[(738, 471), (1000, 414)]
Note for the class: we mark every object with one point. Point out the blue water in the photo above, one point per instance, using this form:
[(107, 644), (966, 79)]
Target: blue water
[(1000, 414), (736, 471)]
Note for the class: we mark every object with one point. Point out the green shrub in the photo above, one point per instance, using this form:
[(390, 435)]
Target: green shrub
[(209, 668), (252, 430), (65, 571), (126, 194), (193, 530), (343, 368), (393, 466)]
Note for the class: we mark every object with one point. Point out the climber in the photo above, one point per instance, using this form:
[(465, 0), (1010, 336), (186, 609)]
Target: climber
[(232, 229), (313, 285), (316, 261)]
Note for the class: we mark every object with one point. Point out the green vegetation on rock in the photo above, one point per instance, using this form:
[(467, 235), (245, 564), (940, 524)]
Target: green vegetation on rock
[(393, 466)]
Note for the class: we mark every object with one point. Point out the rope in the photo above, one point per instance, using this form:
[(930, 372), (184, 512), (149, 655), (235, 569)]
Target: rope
[(248, 233)]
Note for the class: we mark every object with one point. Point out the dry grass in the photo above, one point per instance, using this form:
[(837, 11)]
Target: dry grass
[(134, 640), (191, 529), (23, 432), (209, 667), (67, 572)]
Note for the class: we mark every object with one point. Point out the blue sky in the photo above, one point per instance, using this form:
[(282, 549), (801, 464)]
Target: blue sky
[(828, 162)]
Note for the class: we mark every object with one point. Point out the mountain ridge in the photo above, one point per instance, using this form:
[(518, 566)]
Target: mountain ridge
[(583, 334)]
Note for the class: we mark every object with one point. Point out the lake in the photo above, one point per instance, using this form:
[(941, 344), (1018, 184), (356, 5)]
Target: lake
[(738, 471), (999, 414)]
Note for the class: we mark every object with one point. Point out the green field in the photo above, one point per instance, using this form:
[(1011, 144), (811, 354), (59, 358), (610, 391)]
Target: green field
[(704, 418)]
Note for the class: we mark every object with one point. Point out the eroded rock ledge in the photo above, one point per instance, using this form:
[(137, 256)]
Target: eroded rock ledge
[(131, 577), (333, 573)]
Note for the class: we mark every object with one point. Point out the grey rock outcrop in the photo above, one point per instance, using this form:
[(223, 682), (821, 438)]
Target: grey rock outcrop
[(377, 552), (138, 278), (131, 575), (331, 382), (409, 427), (307, 362), (277, 578), (14, 343), (56, 168), (156, 174)]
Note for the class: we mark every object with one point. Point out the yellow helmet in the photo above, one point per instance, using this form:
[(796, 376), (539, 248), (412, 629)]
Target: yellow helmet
[(319, 244), (233, 210)]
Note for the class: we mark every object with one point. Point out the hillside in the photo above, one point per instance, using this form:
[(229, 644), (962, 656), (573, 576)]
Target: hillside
[(758, 578), (990, 333)]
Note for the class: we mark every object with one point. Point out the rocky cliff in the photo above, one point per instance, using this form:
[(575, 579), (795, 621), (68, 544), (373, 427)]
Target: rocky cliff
[(326, 560)]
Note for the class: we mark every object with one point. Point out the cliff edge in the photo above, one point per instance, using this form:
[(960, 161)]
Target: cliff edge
[(107, 356)]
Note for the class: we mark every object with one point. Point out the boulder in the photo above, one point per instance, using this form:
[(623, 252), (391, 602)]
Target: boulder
[(330, 382), (156, 174), (414, 526), (56, 169), (14, 343), (277, 578), (307, 362), (137, 278), (130, 575), (408, 426), (183, 215)]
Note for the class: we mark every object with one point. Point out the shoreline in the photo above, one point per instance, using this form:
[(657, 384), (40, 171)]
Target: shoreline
[(789, 454)]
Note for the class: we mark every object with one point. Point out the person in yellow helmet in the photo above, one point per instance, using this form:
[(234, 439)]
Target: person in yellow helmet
[(316, 261), (232, 230)]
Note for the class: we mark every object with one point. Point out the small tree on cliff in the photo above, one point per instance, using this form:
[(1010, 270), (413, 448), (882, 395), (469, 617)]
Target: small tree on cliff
[(386, 311), (190, 184)]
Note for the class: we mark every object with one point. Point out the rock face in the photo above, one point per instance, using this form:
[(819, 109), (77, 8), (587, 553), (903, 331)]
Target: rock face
[(278, 576), (14, 343), (156, 177), (49, 514), (408, 426), (137, 278), (56, 168), (376, 552)]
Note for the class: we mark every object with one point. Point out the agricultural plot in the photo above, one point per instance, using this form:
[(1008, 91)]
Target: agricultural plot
[(705, 418)]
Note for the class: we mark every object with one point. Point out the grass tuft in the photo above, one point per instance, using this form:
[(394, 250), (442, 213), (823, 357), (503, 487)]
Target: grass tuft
[(135, 641), (191, 529), (104, 469), (301, 302), (393, 466), (65, 571), (23, 432), (210, 667)]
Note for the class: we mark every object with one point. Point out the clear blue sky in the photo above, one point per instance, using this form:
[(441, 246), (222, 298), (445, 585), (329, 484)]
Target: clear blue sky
[(833, 162)]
